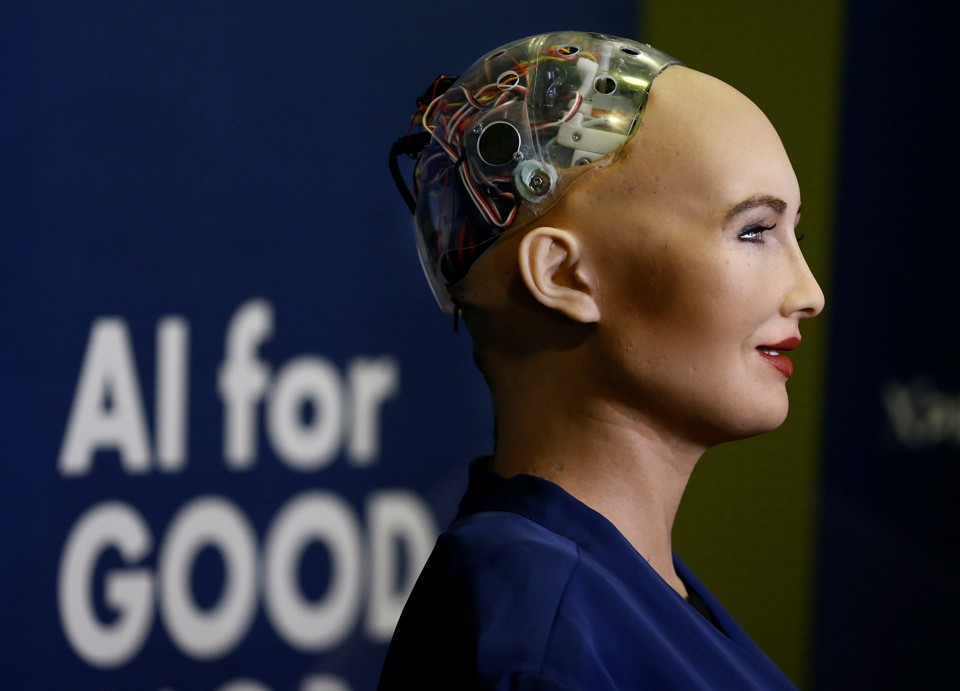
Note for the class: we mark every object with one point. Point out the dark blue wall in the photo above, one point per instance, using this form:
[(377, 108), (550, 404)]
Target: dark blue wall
[(888, 606)]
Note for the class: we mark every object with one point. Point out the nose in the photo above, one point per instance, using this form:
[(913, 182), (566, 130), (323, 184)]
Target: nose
[(804, 298)]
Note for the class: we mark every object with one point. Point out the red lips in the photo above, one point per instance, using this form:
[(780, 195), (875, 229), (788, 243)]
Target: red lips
[(778, 359)]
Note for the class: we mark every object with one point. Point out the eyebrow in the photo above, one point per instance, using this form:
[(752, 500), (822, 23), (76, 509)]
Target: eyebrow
[(767, 200)]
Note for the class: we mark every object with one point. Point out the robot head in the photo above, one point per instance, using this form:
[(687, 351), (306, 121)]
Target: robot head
[(509, 136)]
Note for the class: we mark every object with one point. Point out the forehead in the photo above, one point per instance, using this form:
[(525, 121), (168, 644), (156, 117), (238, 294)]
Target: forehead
[(702, 145)]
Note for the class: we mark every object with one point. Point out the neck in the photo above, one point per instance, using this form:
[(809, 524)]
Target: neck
[(610, 458)]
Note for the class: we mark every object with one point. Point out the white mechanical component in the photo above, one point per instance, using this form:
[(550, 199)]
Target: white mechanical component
[(587, 141)]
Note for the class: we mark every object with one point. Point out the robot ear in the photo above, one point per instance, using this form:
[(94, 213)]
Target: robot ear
[(552, 268)]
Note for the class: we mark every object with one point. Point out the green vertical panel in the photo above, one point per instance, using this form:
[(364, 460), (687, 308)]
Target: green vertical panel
[(748, 523)]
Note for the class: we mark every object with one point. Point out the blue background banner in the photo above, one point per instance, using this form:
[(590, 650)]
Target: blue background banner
[(888, 580), (232, 418)]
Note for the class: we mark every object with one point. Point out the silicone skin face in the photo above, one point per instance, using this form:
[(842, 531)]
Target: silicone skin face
[(701, 282)]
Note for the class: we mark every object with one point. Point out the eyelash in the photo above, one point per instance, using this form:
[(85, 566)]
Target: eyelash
[(754, 233)]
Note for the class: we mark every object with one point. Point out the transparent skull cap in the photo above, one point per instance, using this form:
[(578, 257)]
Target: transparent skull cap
[(512, 133)]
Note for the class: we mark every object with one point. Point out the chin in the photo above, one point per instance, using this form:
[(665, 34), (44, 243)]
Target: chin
[(770, 420), (752, 422), (727, 430)]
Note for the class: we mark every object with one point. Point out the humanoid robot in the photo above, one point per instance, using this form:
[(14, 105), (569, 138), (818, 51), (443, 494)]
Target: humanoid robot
[(618, 233)]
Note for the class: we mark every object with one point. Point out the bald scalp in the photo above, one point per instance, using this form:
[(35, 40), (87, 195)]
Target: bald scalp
[(691, 124)]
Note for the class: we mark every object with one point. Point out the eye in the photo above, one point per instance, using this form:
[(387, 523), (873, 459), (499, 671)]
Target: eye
[(754, 233)]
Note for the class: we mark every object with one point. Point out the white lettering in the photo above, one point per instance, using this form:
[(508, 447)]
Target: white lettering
[(107, 410), (395, 518), (243, 685), (372, 383), (324, 518), (922, 417), (171, 404), (306, 445), (242, 381), (401, 534), (110, 525), (218, 523), (324, 682)]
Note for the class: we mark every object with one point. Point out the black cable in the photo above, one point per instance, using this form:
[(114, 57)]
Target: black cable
[(409, 145)]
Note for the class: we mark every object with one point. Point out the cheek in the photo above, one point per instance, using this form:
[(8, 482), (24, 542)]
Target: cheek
[(704, 323), (674, 286), (657, 318), (650, 283), (695, 294)]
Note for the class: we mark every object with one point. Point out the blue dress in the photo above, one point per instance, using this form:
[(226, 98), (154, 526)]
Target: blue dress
[(531, 589)]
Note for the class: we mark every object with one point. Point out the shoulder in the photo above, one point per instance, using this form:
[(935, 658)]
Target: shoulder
[(500, 567), (486, 541), (487, 600)]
